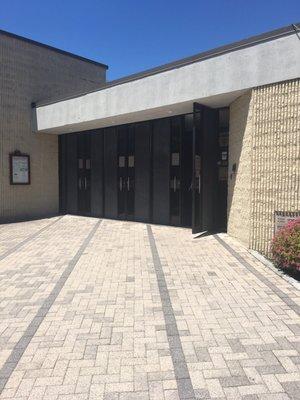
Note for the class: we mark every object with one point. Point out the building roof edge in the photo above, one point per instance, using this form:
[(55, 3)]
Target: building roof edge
[(251, 41), (52, 48)]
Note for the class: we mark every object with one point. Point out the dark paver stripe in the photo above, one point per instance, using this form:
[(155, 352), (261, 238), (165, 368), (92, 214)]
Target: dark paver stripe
[(28, 239), (20, 347), (283, 296), (183, 379)]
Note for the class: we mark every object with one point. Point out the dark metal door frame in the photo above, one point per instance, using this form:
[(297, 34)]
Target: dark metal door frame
[(126, 172), (197, 168), (205, 148), (84, 174), (175, 166), (159, 162)]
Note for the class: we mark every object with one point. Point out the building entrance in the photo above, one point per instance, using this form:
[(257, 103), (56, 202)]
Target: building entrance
[(166, 171)]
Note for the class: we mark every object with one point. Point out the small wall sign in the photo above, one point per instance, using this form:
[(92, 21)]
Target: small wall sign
[(19, 168), (283, 217)]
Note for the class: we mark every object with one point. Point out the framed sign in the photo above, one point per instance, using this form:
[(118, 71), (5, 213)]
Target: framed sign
[(19, 168), (283, 217)]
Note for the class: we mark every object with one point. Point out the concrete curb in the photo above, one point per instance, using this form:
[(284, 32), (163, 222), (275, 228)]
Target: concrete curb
[(270, 265)]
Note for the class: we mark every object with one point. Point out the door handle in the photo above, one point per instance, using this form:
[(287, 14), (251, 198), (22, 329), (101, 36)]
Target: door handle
[(85, 183), (175, 184), (79, 184), (121, 184), (199, 184), (128, 184)]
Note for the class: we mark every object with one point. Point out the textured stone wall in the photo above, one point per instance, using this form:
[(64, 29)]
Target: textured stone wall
[(239, 185), (268, 175), (275, 157), (30, 73)]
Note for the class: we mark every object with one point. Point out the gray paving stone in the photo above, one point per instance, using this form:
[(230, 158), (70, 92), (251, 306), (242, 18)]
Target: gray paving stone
[(202, 354), (295, 328), (270, 369), (292, 389), (202, 394), (233, 381), (111, 396), (117, 327)]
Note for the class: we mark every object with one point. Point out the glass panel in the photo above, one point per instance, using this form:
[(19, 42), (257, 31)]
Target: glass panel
[(197, 166), (223, 173), (121, 161), (175, 159), (189, 121), (223, 141), (80, 163), (131, 161), (88, 164), (223, 118)]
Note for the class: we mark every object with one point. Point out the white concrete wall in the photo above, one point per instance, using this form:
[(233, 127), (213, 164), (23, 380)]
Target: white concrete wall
[(273, 61)]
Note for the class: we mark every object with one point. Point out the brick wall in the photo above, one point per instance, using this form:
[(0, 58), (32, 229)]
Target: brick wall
[(30, 73), (264, 141)]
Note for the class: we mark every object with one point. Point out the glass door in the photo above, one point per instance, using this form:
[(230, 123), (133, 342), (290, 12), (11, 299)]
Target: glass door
[(122, 172), (130, 183), (126, 173), (187, 170), (197, 167), (175, 171), (84, 174), (205, 172)]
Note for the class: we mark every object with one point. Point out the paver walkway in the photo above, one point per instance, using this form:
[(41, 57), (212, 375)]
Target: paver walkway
[(108, 310)]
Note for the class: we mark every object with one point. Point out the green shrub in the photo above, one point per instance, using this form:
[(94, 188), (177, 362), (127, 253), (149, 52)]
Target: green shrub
[(285, 246)]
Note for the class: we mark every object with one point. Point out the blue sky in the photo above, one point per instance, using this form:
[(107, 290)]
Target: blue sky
[(133, 35)]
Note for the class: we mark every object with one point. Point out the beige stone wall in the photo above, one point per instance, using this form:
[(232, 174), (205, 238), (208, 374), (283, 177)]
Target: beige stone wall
[(266, 147), (30, 73), (239, 185), (275, 157)]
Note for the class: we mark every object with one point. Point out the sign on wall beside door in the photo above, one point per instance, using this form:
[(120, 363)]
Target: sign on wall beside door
[(19, 168), (283, 217)]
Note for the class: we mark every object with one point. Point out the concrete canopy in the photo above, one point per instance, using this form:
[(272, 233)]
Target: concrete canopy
[(215, 80)]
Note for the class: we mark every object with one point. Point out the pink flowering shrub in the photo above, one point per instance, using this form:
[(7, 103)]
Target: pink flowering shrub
[(285, 246)]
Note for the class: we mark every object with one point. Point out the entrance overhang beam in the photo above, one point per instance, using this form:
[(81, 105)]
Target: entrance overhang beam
[(275, 60), (146, 115)]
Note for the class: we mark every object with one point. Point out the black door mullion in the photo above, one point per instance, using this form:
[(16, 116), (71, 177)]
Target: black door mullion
[(111, 190), (130, 183), (197, 168), (97, 174), (161, 171), (80, 167), (142, 171), (122, 172), (181, 173), (175, 174), (186, 170)]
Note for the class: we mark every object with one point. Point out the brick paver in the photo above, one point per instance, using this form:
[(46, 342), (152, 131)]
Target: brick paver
[(106, 309)]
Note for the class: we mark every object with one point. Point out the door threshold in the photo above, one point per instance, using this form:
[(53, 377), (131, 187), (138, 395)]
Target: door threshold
[(200, 234)]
